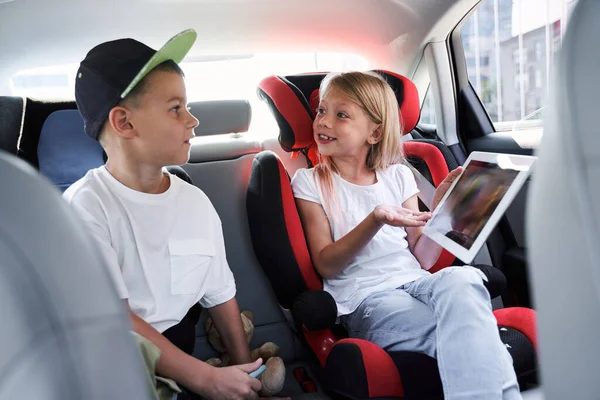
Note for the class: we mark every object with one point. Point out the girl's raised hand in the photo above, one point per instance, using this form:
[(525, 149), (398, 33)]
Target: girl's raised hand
[(441, 190), (400, 216)]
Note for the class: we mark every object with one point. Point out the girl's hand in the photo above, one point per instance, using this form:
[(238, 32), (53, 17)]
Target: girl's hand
[(400, 216), (441, 190)]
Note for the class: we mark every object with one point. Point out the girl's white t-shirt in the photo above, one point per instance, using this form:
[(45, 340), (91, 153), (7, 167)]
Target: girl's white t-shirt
[(386, 261)]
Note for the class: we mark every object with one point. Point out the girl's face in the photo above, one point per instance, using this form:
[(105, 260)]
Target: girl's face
[(342, 128)]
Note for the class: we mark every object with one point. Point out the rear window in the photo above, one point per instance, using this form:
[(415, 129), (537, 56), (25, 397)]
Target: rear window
[(50, 83), (216, 78)]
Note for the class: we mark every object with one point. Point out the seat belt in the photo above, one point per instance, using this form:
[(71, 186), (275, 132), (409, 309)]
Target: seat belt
[(426, 189)]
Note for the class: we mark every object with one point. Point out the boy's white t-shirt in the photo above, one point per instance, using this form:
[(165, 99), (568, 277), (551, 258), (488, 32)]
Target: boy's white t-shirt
[(386, 261), (165, 252)]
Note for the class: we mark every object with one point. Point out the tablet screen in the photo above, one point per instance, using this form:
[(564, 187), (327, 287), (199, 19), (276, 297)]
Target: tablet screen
[(472, 201)]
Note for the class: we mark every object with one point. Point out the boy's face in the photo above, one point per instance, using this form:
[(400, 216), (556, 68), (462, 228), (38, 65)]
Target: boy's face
[(162, 122)]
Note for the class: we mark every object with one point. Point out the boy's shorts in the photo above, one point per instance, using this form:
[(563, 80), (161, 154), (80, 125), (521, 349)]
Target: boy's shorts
[(162, 388)]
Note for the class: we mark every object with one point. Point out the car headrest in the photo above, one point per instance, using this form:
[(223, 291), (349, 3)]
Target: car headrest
[(11, 119), (221, 116), (65, 330), (65, 152), (565, 189), (293, 99)]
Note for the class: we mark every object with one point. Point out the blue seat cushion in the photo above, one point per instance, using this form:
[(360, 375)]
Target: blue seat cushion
[(65, 152)]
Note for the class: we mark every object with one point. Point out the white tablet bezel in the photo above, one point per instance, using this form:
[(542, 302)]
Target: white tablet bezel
[(523, 164)]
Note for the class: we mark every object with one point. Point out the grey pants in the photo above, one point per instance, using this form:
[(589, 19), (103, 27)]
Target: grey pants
[(448, 316)]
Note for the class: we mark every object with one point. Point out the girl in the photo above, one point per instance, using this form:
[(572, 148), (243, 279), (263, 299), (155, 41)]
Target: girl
[(364, 231)]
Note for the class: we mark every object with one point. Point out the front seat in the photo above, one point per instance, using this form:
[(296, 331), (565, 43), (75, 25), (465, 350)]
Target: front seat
[(64, 330), (563, 218)]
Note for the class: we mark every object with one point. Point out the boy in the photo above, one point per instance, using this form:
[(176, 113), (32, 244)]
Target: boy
[(161, 237)]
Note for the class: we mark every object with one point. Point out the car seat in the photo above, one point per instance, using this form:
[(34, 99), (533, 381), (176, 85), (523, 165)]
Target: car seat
[(351, 368), (563, 217), (65, 333)]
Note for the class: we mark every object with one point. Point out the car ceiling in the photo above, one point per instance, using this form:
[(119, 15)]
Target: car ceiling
[(390, 33)]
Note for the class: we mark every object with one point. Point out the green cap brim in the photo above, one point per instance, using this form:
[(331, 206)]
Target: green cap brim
[(175, 49)]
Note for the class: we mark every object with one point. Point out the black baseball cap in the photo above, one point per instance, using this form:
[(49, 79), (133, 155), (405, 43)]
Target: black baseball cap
[(112, 69)]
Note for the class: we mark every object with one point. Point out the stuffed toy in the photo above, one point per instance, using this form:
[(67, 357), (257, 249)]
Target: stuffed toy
[(273, 378)]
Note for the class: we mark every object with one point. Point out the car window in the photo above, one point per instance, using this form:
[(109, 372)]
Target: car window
[(428, 109), (216, 78), (510, 46)]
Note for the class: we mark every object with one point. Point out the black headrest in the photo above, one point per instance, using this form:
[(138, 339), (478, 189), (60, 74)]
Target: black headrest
[(11, 118)]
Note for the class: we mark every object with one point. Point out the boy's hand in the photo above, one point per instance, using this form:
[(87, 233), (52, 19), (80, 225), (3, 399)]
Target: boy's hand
[(232, 383), (400, 216), (444, 186)]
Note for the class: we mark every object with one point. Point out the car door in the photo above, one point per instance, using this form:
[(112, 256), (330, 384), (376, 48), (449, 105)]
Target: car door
[(489, 83)]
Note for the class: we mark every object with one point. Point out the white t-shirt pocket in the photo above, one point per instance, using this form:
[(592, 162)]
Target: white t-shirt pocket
[(190, 260)]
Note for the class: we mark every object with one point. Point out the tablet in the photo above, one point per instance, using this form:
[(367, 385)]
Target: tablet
[(476, 201)]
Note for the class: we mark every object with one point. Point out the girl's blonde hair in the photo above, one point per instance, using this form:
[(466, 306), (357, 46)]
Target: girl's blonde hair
[(377, 99)]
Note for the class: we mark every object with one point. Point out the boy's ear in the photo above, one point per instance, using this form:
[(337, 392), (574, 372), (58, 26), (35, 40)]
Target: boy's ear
[(376, 136), (119, 120)]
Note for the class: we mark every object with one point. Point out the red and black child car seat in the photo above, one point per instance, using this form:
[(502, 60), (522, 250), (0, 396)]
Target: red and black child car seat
[(351, 368)]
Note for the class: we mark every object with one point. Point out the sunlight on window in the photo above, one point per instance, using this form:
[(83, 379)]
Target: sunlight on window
[(219, 78), (238, 78), (57, 82), (510, 47), (428, 109)]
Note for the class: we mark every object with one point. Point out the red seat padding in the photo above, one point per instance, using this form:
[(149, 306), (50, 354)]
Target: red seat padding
[(362, 368)]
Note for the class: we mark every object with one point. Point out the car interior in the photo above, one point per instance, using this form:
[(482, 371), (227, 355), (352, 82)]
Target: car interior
[(469, 75)]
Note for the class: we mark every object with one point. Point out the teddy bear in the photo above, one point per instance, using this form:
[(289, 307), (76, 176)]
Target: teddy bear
[(273, 378)]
